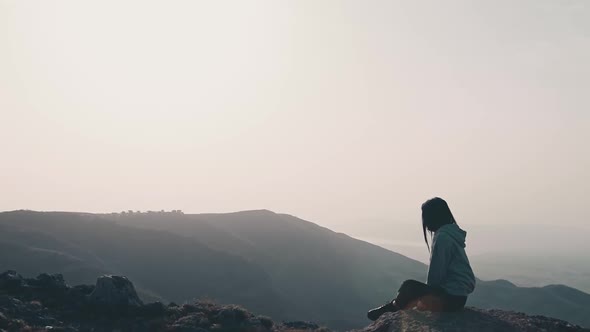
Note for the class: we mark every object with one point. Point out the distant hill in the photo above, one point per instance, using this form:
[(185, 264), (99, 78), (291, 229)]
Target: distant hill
[(538, 268), (274, 264)]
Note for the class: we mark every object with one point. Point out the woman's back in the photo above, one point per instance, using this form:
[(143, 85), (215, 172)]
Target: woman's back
[(449, 266)]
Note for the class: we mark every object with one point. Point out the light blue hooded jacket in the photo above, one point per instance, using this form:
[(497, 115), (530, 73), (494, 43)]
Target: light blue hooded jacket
[(449, 266)]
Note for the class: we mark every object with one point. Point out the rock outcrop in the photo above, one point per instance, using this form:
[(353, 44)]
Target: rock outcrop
[(11, 279), (468, 320), (115, 291), (47, 303)]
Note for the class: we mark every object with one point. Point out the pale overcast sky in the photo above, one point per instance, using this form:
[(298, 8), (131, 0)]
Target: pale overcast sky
[(346, 113)]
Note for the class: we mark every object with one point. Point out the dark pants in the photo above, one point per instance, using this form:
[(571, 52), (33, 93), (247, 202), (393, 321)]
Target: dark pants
[(431, 298)]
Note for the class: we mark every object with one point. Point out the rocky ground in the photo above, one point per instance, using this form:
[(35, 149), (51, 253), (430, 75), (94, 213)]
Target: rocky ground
[(47, 303), (468, 320)]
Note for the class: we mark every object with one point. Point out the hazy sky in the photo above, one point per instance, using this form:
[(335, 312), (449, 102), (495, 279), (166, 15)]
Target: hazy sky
[(346, 113)]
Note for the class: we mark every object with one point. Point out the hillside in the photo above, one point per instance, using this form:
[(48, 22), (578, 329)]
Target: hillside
[(274, 264)]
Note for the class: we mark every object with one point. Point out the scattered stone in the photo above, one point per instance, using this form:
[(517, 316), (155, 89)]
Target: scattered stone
[(300, 325)]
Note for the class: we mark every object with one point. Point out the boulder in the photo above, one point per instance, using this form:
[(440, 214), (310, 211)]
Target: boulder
[(48, 281), (467, 320), (10, 280), (114, 291)]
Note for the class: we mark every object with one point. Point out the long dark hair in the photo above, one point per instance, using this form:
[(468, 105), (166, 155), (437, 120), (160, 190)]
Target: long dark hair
[(435, 213)]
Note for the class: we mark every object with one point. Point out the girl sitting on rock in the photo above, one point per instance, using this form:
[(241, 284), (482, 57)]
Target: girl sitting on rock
[(450, 277)]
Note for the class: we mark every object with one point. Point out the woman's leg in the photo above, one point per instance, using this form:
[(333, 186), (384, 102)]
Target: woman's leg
[(411, 291), (430, 298)]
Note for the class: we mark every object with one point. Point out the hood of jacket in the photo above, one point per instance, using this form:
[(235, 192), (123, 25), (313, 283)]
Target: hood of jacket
[(454, 232)]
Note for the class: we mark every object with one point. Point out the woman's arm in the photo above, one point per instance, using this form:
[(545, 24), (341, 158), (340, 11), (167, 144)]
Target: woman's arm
[(439, 259)]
